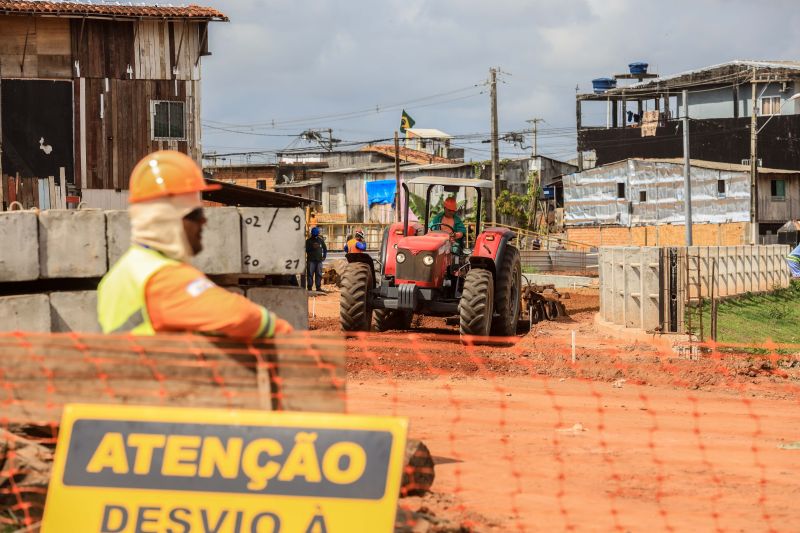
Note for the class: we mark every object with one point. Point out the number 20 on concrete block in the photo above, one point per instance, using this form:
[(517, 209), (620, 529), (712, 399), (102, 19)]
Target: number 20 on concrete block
[(126, 469)]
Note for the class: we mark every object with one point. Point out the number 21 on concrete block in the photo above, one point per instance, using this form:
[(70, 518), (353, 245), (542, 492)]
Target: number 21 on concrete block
[(273, 240), (130, 469)]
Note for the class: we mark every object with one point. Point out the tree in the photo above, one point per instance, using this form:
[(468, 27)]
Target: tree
[(522, 207)]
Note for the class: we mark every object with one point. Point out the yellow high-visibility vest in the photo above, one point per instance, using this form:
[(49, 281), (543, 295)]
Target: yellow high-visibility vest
[(121, 304)]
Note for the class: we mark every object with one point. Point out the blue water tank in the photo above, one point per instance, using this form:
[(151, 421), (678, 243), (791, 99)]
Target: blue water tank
[(601, 85), (638, 68)]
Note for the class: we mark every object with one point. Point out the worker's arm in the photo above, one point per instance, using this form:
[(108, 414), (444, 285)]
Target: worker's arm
[(459, 226), (324, 250), (436, 220), (181, 298)]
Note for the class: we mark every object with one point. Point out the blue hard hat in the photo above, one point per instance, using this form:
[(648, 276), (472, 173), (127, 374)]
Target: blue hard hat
[(314, 232)]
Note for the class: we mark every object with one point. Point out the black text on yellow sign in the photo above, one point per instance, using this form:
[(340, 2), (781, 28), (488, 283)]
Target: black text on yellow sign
[(143, 470)]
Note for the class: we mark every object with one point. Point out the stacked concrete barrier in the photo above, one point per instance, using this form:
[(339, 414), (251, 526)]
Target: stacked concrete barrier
[(42, 252), (649, 287)]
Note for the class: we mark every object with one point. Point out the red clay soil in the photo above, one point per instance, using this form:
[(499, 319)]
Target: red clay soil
[(632, 436)]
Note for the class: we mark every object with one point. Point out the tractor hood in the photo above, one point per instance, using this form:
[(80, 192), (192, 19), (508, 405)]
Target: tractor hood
[(431, 242)]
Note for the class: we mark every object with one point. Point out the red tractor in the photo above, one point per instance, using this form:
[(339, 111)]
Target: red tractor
[(422, 271)]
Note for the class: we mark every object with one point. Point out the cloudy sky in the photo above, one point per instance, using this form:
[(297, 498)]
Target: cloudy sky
[(280, 67)]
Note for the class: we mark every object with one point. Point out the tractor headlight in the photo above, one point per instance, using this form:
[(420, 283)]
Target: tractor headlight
[(401, 257), (427, 260)]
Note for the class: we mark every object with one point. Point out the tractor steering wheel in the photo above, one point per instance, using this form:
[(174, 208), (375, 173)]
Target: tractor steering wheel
[(439, 224)]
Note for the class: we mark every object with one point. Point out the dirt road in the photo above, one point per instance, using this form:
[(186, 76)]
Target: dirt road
[(631, 437)]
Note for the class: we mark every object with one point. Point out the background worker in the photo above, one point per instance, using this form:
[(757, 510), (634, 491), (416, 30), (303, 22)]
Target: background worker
[(448, 221), (316, 253), (793, 260), (153, 288), (356, 244)]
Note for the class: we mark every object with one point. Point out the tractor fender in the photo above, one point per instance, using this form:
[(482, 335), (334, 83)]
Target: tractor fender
[(391, 236), (360, 257), (490, 247)]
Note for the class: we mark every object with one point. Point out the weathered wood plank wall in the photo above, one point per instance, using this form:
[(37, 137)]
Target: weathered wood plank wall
[(118, 69)]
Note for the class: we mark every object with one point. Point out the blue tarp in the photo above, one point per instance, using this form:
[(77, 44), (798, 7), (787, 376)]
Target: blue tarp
[(381, 192)]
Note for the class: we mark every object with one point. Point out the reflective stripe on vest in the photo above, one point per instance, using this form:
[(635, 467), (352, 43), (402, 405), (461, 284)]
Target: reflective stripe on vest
[(121, 304)]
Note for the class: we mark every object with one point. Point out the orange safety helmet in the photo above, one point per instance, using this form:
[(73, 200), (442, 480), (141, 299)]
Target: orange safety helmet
[(166, 173), (450, 203)]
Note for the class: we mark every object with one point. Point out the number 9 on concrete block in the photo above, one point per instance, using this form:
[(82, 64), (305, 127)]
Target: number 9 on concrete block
[(273, 240)]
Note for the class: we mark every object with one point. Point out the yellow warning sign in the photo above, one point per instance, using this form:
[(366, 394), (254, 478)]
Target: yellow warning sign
[(127, 469)]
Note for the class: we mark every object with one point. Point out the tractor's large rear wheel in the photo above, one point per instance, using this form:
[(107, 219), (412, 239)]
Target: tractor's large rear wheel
[(476, 304), (386, 319), (506, 298), (355, 308)]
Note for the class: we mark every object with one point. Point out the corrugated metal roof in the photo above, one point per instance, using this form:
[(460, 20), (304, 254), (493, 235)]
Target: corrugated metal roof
[(699, 163), (299, 184), (731, 72), (110, 9), (237, 195), (365, 168), (744, 63), (727, 167), (406, 154)]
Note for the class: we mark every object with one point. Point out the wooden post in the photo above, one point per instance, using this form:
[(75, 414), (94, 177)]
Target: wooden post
[(62, 180), (713, 301), (397, 196), (495, 147), (754, 165)]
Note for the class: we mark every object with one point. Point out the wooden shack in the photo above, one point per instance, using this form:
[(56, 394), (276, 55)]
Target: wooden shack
[(87, 89)]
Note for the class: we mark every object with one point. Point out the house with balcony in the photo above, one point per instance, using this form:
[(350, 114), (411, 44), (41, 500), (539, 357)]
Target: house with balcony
[(642, 119)]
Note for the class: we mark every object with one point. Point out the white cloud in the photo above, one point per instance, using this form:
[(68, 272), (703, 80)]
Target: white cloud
[(283, 59)]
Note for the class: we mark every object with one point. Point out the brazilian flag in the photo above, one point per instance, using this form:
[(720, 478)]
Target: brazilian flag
[(406, 122)]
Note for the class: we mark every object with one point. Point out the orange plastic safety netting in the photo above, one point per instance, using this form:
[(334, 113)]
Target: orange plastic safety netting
[(539, 433)]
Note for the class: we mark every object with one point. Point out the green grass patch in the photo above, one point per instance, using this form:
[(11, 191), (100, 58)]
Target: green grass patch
[(752, 319)]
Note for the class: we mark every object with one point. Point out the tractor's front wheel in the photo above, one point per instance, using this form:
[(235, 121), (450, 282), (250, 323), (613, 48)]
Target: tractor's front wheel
[(355, 308), (386, 319), (506, 299), (477, 302)]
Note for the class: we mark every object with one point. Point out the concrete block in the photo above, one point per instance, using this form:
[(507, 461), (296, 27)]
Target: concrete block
[(273, 240), (19, 246), (118, 234), (72, 243), (29, 312), (222, 242), (289, 303), (74, 311)]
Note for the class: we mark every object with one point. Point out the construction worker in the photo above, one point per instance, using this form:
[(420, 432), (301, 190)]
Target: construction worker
[(316, 253), (356, 244), (793, 260), (450, 222), (153, 288)]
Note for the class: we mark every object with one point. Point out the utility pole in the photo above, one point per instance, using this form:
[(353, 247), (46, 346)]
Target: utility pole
[(687, 170), (754, 165), (495, 146), (535, 122), (397, 196)]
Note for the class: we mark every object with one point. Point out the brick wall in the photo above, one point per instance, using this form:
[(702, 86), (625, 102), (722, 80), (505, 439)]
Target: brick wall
[(731, 234), (247, 176)]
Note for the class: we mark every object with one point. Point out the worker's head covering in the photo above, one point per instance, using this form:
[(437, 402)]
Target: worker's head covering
[(450, 203), (166, 173), (315, 231), (359, 234), (165, 187)]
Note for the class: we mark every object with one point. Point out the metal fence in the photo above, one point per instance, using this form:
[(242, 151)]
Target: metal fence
[(560, 261)]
